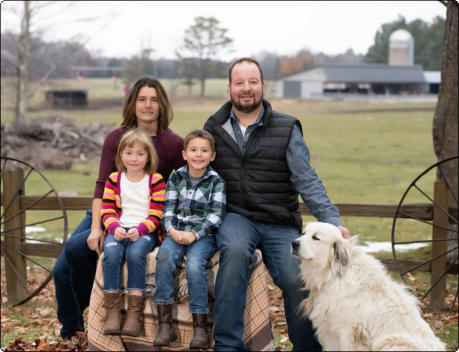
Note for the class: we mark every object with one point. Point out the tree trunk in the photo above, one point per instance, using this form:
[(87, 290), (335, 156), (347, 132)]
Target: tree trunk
[(445, 122), (23, 63), (203, 87)]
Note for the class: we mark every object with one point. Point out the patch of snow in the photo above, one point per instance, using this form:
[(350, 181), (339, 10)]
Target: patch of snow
[(31, 229), (373, 247)]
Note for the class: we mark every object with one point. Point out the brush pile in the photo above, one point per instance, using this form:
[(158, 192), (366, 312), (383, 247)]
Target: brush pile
[(53, 142)]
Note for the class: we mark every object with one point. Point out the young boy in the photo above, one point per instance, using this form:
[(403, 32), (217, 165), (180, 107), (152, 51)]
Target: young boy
[(194, 209)]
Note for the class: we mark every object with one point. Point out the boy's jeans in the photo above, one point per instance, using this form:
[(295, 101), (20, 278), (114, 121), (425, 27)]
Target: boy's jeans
[(136, 256), (197, 255)]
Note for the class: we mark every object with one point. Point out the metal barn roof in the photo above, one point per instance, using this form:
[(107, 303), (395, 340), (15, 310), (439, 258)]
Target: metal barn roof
[(364, 73), (374, 73)]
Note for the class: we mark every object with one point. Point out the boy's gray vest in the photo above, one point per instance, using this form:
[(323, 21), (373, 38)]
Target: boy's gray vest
[(258, 182)]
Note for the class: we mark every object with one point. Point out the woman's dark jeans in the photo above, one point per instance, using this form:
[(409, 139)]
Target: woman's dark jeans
[(73, 275)]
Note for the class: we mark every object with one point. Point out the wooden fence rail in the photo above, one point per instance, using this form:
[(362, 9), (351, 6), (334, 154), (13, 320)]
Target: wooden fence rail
[(419, 211)]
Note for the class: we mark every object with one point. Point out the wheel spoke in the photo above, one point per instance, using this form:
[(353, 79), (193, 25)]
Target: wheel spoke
[(444, 179), (19, 277), (3, 166), (438, 206), (438, 280), (27, 257), (21, 186), (30, 238), (35, 223), (427, 222), (27, 208), (424, 241), (428, 261)]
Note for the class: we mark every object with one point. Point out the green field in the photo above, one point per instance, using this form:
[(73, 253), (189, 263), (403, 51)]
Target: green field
[(361, 157), (364, 152)]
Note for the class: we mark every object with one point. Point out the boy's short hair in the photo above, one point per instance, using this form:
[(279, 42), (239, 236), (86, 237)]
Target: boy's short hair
[(199, 134)]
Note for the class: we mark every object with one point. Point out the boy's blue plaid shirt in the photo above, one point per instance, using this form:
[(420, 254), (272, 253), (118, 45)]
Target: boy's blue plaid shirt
[(198, 208)]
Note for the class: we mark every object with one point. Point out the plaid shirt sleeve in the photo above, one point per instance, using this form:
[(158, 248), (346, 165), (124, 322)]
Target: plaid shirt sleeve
[(216, 210), (169, 216)]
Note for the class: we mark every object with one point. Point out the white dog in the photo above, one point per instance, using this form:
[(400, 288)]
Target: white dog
[(353, 303)]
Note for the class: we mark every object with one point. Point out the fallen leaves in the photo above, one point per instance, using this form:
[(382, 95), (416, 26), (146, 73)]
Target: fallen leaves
[(276, 310), (79, 342)]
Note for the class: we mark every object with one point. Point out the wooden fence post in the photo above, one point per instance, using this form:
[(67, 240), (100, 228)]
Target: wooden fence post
[(14, 229), (437, 296)]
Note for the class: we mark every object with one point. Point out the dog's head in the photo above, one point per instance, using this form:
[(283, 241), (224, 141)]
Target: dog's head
[(322, 246)]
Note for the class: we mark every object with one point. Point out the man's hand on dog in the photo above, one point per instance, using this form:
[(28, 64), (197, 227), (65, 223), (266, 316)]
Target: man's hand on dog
[(344, 232)]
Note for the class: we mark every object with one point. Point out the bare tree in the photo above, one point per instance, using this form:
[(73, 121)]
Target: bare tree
[(187, 69), (23, 56), (204, 40), (138, 65), (34, 22)]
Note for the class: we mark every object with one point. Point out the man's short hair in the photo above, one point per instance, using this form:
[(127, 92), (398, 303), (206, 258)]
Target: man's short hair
[(199, 134), (244, 59)]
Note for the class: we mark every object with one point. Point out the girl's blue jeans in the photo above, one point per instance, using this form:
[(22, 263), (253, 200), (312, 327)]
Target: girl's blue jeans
[(197, 255), (135, 254)]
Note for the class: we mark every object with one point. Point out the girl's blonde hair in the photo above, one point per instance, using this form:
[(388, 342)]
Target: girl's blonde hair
[(137, 135)]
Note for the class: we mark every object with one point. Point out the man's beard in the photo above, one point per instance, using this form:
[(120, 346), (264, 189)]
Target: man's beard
[(247, 108)]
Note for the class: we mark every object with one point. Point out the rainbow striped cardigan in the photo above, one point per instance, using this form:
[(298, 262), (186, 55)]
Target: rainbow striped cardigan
[(111, 205)]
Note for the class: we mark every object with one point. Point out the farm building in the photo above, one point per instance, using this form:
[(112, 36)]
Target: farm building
[(433, 79), (400, 76), (363, 79)]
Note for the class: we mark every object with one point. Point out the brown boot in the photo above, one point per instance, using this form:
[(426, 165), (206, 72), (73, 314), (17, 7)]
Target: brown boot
[(134, 317), (166, 329), (113, 314), (201, 336)]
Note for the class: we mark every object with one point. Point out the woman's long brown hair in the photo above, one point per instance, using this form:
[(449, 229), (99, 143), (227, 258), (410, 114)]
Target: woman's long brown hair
[(165, 109)]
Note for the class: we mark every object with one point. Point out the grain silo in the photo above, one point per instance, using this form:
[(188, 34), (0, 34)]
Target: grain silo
[(401, 48)]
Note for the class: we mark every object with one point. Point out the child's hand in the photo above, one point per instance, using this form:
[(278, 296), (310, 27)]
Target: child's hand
[(119, 234), (133, 234), (188, 237), (176, 235)]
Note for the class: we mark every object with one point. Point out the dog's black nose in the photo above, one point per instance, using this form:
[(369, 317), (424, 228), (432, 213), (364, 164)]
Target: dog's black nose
[(295, 246)]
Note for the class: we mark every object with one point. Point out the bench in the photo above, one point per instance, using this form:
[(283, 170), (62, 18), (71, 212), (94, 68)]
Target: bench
[(257, 329)]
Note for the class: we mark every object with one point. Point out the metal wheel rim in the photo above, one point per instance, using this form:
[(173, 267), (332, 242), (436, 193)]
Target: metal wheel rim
[(396, 216), (4, 161)]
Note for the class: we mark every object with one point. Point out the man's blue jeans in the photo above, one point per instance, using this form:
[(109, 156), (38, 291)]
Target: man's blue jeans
[(197, 255), (237, 239), (73, 275), (136, 255)]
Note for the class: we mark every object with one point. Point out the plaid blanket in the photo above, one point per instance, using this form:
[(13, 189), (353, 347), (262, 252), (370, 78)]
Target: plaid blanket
[(257, 329)]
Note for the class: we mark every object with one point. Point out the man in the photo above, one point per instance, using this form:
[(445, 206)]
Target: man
[(264, 160)]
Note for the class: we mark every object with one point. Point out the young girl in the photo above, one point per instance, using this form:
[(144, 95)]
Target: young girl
[(132, 208)]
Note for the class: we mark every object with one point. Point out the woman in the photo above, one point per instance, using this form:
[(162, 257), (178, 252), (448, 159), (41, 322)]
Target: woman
[(148, 108)]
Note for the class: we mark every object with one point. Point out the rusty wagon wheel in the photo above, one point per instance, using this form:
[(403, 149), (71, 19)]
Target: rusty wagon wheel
[(29, 239), (415, 230)]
